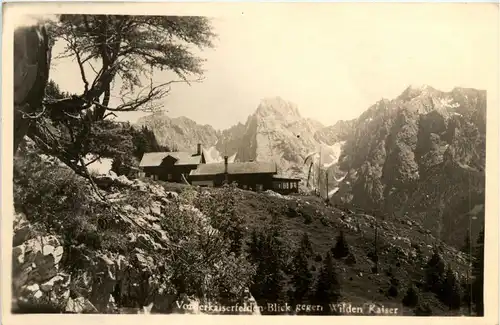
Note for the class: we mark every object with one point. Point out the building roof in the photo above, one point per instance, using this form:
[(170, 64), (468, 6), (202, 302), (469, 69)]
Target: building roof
[(154, 159), (254, 167), (284, 178)]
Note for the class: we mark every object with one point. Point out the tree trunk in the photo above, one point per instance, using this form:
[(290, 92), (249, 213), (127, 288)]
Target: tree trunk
[(31, 73)]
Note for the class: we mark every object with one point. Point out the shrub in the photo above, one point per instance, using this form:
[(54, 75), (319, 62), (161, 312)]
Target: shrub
[(341, 248), (291, 212), (411, 297), (423, 309), (351, 259), (221, 208), (56, 200)]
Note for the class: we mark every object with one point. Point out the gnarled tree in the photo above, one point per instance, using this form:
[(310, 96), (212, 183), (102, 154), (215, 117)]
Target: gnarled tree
[(125, 48)]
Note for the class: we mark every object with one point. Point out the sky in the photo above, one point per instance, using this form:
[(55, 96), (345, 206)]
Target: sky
[(332, 60)]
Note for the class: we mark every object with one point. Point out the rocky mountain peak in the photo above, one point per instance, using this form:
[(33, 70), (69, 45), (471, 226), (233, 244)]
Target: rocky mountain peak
[(277, 107), (416, 90)]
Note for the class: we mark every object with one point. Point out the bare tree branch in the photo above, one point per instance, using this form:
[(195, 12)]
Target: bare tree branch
[(75, 50), (93, 160), (109, 114), (31, 116), (154, 93)]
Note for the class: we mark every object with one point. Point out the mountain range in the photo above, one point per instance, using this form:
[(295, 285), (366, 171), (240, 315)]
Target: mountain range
[(421, 154), (275, 132)]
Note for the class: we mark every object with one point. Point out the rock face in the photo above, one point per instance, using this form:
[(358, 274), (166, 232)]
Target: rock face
[(180, 133), (277, 132), (37, 278), (421, 154)]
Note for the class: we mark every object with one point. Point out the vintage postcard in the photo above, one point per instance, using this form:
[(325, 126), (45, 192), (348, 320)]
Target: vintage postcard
[(246, 160)]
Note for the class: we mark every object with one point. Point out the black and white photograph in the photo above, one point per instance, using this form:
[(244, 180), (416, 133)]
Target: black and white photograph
[(292, 159)]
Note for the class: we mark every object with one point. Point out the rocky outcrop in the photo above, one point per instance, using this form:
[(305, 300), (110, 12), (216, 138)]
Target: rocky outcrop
[(419, 155), (38, 282), (52, 274), (181, 133)]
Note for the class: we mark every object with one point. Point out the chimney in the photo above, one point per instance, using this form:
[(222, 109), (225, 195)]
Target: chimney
[(198, 149), (225, 170)]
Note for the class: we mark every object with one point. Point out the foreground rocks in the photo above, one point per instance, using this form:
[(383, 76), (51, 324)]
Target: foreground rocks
[(44, 282), (37, 278)]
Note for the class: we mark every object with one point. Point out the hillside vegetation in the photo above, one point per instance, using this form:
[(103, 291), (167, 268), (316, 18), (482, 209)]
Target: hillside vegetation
[(158, 246)]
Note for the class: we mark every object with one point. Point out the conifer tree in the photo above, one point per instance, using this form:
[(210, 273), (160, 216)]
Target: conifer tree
[(451, 290), (435, 273), (465, 288), (267, 251), (301, 277), (254, 245), (327, 289), (411, 297), (466, 248), (341, 248), (306, 246), (477, 290)]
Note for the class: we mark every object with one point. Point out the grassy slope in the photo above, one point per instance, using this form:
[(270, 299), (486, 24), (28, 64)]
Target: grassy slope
[(323, 224)]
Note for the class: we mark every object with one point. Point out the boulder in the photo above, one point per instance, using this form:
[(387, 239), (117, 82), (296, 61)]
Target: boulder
[(151, 218), (157, 190), (172, 195), (155, 209), (36, 260), (22, 229), (143, 262), (80, 305), (145, 241), (60, 280), (123, 180), (104, 280)]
